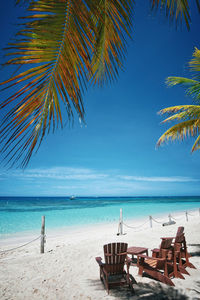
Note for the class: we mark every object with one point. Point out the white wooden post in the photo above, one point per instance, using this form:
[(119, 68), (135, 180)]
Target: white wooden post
[(150, 220), (121, 222), (170, 220), (120, 227), (186, 214), (42, 235)]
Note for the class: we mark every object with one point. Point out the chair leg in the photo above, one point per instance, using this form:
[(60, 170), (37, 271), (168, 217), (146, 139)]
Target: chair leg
[(157, 275), (140, 271), (188, 264), (177, 273), (183, 270), (129, 282), (106, 284)]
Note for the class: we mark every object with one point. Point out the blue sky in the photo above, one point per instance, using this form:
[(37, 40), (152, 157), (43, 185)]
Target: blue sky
[(115, 152)]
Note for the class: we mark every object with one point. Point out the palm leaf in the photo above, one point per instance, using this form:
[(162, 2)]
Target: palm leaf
[(178, 9), (192, 85), (181, 112), (112, 21), (181, 131), (56, 43)]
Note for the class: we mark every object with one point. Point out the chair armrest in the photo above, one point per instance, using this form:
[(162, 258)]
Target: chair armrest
[(128, 260), (149, 257), (166, 238), (99, 261), (155, 250), (117, 254)]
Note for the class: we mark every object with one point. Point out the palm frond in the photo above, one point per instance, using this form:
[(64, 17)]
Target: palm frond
[(113, 22), (195, 62), (192, 85), (62, 44), (56, 42), (175, 9), (181, 112), (196, 145), (181, 131)]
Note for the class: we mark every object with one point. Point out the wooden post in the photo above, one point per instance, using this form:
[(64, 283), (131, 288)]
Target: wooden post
[(150, 220), (186, 214), (120, 227), (170, 220), (121, 222), (42, 235)]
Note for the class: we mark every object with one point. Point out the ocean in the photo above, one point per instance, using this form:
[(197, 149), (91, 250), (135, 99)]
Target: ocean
[(23, 214)]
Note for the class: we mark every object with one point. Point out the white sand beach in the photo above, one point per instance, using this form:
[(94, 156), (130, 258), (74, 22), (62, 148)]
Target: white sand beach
[(68, 270)]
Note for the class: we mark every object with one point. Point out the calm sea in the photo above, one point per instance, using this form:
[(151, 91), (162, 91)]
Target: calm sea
[(20, 214)]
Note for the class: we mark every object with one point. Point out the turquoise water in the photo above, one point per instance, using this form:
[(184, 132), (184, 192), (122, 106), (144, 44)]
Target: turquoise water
[(20, 214)]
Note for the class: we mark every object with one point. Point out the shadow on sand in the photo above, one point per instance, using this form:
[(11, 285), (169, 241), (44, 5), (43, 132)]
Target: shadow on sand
[(144, 291)]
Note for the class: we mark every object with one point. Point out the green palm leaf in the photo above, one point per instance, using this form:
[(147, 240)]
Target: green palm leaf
[(58, 44), (192, 86), (181, 131), (181, 112), (177, 9), (187, 115), (113, 21)]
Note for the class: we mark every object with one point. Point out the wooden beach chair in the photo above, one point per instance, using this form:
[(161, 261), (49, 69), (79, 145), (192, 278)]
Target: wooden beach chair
[(112, 272), (168, 252), (183, 259), (180, 248), (156, 267)]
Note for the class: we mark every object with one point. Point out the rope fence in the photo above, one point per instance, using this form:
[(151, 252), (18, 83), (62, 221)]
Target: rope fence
[(12, 249), (136, 228), (151, 220), (42, 238)]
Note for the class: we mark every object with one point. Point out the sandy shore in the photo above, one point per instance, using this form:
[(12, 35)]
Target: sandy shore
[(68, 270)]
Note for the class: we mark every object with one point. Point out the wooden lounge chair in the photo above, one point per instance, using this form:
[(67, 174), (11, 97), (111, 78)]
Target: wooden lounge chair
[(112, 272), (180, 248), (168, 252), (158, 268), (183, 259)]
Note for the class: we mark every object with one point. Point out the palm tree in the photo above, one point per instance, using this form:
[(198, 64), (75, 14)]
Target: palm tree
[(62, 46), (188, 116)]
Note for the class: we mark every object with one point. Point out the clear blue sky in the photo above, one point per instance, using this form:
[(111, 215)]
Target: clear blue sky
[(115, 153)]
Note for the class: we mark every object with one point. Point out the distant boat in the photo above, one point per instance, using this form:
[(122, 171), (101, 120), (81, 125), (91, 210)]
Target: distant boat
[(72, 198)]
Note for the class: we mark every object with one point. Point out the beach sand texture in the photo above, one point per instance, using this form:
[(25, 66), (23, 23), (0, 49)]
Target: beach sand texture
[(68, 270)]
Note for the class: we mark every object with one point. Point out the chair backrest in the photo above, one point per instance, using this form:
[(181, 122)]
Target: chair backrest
[(166, 243), (165, 247), (179, 235), (115, 256)]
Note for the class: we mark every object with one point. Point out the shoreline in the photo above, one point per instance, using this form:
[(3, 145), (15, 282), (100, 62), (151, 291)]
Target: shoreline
[(140, 223)]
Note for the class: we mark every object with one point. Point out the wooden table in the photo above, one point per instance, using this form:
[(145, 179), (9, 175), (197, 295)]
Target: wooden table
[(135, 251)]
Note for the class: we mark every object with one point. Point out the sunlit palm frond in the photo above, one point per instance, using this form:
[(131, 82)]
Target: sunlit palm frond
[(113, 22), (56, 42), (54, 51), (181, 112), (192, 85), (188, 116), (195, 63), (181, 131), (176, 9)]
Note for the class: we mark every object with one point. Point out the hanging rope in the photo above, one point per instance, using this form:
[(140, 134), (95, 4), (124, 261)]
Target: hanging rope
[(176, 219), (157, 221), (191, 214), (4, 251), (135, 226)]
